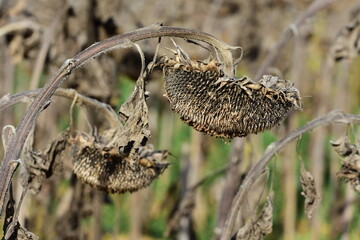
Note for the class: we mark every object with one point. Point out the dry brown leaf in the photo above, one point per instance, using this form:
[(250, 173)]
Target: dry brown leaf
[(347, 43), (350, 171), (256, 230), (350, 166), (134, 113), (312, 197), (43, 164), (343, 147), (24, 234)]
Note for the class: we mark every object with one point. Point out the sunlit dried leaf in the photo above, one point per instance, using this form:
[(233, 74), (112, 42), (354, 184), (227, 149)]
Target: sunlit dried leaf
[(312, 197), (347, 43), (343, 147), (134, 113), (24, 234), (246, 232), (43, 164), (215, 104), (256, 230), (104, 168), (350, 166), (350, 171)]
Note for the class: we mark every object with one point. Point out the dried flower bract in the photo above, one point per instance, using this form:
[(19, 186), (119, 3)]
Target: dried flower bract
[(221, 106)]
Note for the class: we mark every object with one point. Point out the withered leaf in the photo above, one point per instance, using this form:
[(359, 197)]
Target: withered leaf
[(24, 234), (312, 197), (350, 171), (257, 229), (350, 166), (347, 43), (8, 229), (134, 113), (343, 147), (42, 164)]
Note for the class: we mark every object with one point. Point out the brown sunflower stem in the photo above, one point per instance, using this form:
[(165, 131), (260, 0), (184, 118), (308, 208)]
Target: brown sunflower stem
[(69, 93), (330, 118)]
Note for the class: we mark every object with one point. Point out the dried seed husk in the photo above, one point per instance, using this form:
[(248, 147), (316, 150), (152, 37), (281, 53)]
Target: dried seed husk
[(106, 169), (221, 106)]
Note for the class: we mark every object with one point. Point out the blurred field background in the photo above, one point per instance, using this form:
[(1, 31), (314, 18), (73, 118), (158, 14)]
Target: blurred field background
[(48, 32)]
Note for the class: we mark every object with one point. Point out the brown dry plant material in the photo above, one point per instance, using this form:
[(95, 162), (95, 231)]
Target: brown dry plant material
[(257, 230), (42, 164), (350, 166), (221, 106), (104, 168), (312, 197), (347, 43)]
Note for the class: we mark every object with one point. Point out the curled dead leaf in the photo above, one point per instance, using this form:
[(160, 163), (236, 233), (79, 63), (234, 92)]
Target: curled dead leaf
[(350, 165), (312, 197), (343, 147), (134, 114), (347, 43), (350, 171), (257, 228)]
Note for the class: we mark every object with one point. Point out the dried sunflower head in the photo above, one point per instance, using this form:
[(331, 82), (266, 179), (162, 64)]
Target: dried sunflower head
[(221, 106), (106, 169)]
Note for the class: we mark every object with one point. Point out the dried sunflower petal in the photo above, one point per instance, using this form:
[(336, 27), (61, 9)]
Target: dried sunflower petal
[(217, 105)]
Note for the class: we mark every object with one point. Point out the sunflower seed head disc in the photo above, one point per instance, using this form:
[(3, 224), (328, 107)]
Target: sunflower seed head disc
[(217, 105)]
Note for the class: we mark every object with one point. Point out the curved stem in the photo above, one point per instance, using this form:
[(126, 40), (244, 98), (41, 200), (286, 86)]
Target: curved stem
[(25, 97), (330, 118)]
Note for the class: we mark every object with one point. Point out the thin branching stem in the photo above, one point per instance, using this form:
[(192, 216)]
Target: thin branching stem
[(330, 118), (27, 96)]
